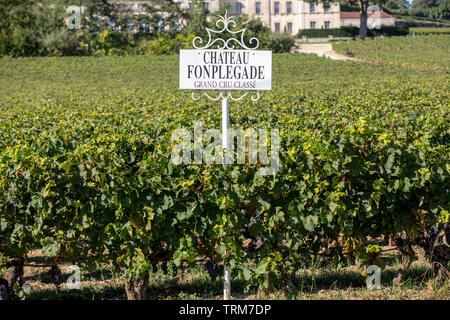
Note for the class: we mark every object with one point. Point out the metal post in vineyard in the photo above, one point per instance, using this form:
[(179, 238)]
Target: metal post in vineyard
[(218, 69)]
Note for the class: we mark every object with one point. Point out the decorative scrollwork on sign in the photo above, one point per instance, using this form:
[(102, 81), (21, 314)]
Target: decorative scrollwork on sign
[(254, 97), (228, 23), (196, 96), (225, 95)]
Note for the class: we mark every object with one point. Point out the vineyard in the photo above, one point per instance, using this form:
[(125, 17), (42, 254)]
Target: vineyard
[(420, 52), (86, 174), (429, 30)]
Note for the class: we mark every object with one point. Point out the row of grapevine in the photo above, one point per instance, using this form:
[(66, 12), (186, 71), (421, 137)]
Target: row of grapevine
[(423, 51), (86, 171)]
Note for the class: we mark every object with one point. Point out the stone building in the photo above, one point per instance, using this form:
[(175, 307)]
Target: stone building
[(281, 15)]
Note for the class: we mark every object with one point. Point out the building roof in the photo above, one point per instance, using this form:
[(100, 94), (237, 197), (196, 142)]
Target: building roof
[(355, 15)]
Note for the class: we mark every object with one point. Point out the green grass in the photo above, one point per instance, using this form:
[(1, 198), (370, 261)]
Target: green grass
[(322, 283)]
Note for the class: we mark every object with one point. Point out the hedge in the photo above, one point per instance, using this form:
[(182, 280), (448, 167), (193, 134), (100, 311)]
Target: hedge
[(353, 32)]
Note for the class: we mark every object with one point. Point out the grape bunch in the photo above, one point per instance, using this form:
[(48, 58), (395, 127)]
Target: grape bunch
[(432, 233), (5, 292), (435, 249), (212, 267)]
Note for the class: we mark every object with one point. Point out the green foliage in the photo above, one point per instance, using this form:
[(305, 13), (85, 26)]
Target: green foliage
[(397, 4), (353, 32), (337, 32), (369, 255), (429, 30), (18, 35), (166, 15), (388, 31), (440, 11), (85, 163), (165, 45), (278, 43), (29, 29), (197, 18), (111, 43), (425, 4)]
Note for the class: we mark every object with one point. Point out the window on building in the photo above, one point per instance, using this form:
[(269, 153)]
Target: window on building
[(144, 27), (326, 9), (206, 6), (327, 24), (257, 7), (277, 7), (289, 7), (190, 5), (289, 27), (160, 24), (277, 27), (239, 7), (311, 7), (312, 24)]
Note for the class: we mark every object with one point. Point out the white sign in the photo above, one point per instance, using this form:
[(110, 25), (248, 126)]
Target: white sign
[(225, 69)]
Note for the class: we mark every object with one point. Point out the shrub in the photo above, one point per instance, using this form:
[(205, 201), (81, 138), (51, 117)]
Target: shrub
[(389, 31), (61, 43), (278, 43), (353, 32), (112, 43), (322, 33), (165, 45)]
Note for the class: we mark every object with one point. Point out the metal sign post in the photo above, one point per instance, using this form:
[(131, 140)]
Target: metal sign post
[(225, 147), (217, 66)]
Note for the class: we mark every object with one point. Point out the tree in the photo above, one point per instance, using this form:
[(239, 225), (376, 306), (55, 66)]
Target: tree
[(197, 18), (362, 4), (425, 4), (54, 35), (18, 28)]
